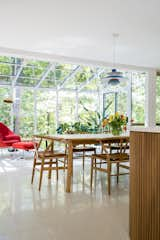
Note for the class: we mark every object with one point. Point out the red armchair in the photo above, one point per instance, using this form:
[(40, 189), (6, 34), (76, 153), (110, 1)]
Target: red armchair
[(7, 137)]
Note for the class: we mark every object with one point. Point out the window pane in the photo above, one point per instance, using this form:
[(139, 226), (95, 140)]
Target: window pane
[(66, 107), (5, 108), (138, 97), (88, 105), (109, 100), (26, 113), (46, 105), (122, 103), (109, 103)]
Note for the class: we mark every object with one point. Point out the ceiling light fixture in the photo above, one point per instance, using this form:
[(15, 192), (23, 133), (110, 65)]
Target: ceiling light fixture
[(113, 78)]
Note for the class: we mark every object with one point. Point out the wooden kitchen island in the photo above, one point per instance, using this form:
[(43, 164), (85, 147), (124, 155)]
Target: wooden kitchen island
[(145, 184)]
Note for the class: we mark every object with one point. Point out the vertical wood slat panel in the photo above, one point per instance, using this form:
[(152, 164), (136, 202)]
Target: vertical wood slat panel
[(145, 186)]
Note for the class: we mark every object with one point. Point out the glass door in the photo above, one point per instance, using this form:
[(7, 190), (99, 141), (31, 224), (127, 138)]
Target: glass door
[(114, 102)]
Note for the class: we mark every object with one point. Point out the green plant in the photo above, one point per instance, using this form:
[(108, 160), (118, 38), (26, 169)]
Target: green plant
[(92, 122), (80, 127), (77, 127), (63, 127), (94, 119)]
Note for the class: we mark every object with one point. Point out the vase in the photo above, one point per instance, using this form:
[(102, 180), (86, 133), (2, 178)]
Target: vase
[(116, 131)]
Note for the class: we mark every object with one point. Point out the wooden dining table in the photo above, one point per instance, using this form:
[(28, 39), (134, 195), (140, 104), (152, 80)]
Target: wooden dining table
[(73, 140)]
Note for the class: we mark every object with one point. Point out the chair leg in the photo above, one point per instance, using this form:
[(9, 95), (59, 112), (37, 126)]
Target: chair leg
[(83, 159), (117, 173), (109, 177), (92, 162), (57, 168), (101, 160), (64, 165), (41, 174), (100, 164), (65, 159), (33, 170), (72, 166), (50, 170)]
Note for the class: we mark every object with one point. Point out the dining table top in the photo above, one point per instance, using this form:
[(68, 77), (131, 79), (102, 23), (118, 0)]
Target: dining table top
[(84, 137)]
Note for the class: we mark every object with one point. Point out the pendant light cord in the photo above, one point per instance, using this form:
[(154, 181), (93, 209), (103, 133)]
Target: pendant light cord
[(115, 36)]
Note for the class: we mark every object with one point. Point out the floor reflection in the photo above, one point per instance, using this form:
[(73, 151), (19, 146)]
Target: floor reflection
[(26, 213)]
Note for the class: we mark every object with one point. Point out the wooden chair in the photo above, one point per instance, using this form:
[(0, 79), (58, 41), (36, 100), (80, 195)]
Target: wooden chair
[(47, 160), (84, 149), (120, 158), (111, 146)]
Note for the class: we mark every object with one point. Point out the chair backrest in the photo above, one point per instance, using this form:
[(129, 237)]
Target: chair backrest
[(39, 144), (4, 130), (118, 145), (123, 145)]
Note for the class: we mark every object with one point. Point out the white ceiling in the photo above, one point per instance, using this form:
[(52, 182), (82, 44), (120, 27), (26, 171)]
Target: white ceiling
[(83, 29)]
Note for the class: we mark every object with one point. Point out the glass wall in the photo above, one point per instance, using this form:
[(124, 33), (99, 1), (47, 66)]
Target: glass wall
[(122, 102), (39, 112), (138, 97), (109, 103), (67, 106), (115, 102), (46, 108), (5, 108), (88, 104), (26, 121)]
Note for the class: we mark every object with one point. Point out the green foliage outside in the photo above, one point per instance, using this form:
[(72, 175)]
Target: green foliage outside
[(138, 98), (5, 109), (26, 113), (90, 123), (46, 107)]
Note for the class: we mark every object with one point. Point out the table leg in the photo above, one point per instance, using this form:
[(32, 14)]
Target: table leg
[(52, 146), (69, 170)]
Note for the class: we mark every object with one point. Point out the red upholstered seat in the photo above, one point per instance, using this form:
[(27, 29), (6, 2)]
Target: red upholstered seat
[(7, 137), (8, 143), (12, 137), (23, 145)]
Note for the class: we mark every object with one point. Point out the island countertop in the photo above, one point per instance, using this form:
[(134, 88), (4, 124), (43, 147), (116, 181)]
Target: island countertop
[(145, 129)]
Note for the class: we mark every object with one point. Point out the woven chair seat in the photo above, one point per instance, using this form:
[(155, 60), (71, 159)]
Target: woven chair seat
[(112, 157), (84, 149), (117, 147), (50, 154)]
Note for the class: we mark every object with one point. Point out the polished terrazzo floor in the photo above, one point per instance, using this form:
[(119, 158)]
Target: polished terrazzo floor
[(52, 214)]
